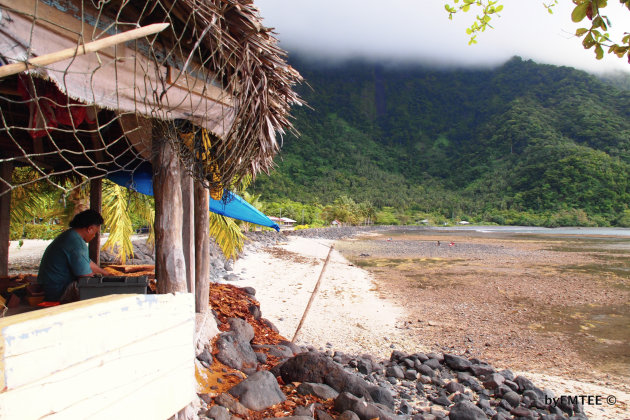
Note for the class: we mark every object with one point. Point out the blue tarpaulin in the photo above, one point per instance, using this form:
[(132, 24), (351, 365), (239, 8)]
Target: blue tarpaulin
[(231, 205)]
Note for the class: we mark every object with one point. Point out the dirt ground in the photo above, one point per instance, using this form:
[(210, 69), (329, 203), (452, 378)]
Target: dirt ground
[(533, 303)]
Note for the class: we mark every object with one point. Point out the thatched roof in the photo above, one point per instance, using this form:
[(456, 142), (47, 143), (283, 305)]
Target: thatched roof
[(216, 66)]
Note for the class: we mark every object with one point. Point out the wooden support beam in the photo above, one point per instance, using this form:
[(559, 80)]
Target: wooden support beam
[(170, 266), (202, 248), (6, 172), (96, 202), (188, 226)]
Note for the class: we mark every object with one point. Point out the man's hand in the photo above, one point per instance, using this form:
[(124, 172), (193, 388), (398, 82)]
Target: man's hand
[(97, 270)]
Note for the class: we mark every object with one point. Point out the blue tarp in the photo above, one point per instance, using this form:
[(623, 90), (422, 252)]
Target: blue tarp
[(231, 206)]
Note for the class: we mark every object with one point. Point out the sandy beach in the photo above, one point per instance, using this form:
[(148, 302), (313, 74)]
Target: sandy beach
[(370, 310), (353, 314)]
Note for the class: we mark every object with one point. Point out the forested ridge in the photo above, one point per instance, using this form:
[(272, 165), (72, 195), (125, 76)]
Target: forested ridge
[(523, 143)]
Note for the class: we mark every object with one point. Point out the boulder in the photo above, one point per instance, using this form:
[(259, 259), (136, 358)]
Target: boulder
[(457, 362), (235, 353), (258, 391), (322, 391), (318, 368), (229, 402), (466, 410)]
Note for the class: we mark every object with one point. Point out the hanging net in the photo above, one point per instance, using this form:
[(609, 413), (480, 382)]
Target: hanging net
[(213, 83)]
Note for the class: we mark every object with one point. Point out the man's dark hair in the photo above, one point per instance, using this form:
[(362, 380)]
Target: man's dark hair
[(86, 218)]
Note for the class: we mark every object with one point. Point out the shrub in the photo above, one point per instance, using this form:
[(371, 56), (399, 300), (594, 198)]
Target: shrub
[(41, 231)]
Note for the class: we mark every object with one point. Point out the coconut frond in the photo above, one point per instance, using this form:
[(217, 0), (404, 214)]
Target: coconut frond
[(145, 208), (117, 221), (227, 235)]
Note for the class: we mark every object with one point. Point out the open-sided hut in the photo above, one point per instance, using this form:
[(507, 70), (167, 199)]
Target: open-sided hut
[(201, 98)]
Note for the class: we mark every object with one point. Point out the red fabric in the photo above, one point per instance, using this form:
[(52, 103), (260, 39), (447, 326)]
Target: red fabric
[(49, 106), (47, 304)]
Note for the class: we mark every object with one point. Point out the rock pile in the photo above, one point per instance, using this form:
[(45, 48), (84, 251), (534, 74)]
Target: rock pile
[(329, 385)]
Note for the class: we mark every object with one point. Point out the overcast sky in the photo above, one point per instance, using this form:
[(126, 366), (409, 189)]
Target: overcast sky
[(419, 31)]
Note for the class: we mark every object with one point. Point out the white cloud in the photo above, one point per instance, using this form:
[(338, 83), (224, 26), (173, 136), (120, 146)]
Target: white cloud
[(419, 30)]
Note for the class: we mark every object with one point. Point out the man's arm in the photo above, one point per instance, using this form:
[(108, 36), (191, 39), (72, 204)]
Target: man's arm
[(96, 269)]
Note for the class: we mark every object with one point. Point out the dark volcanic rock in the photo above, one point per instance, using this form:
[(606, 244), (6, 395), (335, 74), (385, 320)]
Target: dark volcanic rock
[(493, 381), (382, 396), (466, 410), (229, 402), (456, 362), (512, 398), (524, 383), (242, 329), (507, 374), (482, 370), (322, 391), (218, 413), (318, 368), (236, 353), (395, 372), (348, 415), (433, 364), (366, 411), (258, 391)]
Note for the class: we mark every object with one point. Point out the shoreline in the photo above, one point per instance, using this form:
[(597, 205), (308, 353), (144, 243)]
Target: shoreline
[(352, 315)]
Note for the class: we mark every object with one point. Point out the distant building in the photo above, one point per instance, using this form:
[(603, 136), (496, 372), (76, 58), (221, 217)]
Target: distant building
[(284, 222), (335, 223), (463, 222)]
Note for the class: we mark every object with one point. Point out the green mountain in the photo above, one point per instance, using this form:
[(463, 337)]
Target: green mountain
[(481, 143)]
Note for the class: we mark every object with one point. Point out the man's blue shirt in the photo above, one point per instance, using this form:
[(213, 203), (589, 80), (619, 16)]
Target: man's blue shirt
[(65, 259)]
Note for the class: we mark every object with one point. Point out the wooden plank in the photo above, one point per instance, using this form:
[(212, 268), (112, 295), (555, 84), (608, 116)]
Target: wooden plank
[(188, 229), (96, 202), (6, 172), (125, 356), (202, 247), (170, 265)]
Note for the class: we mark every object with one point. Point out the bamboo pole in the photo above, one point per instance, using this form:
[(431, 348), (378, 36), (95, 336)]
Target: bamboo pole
[(310, 301), (83, 49)]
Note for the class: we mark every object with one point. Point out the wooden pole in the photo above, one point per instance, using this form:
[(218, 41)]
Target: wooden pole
[(310, 301), (6, 172), (96, 202), (170, 266), (202, 248), (83, 49), (188, 226)]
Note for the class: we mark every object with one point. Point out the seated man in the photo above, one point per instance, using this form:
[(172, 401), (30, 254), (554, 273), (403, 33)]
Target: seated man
[(67, 258)]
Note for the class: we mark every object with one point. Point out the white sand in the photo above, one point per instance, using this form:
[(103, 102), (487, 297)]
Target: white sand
[(348, 313)]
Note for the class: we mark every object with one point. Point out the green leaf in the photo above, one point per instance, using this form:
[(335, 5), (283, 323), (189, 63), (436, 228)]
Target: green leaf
[(599, 52), (579, 13), (498, 8), (581, 31)]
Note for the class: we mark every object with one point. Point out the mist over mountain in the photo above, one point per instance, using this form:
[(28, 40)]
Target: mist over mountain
[(479, 143)]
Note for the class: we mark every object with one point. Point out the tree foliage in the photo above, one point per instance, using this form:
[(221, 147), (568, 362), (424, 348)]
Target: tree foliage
[(594, 36), (522, 143)]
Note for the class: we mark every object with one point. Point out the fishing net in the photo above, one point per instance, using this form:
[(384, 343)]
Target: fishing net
[(214, 84)]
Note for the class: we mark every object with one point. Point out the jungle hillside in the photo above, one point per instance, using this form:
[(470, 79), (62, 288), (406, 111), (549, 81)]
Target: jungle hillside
[(522, 143)]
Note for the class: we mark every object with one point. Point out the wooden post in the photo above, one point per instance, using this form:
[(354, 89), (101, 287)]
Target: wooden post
[(6, 172), (96, 202), (188, 232), (202, 248), (170, 266)]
